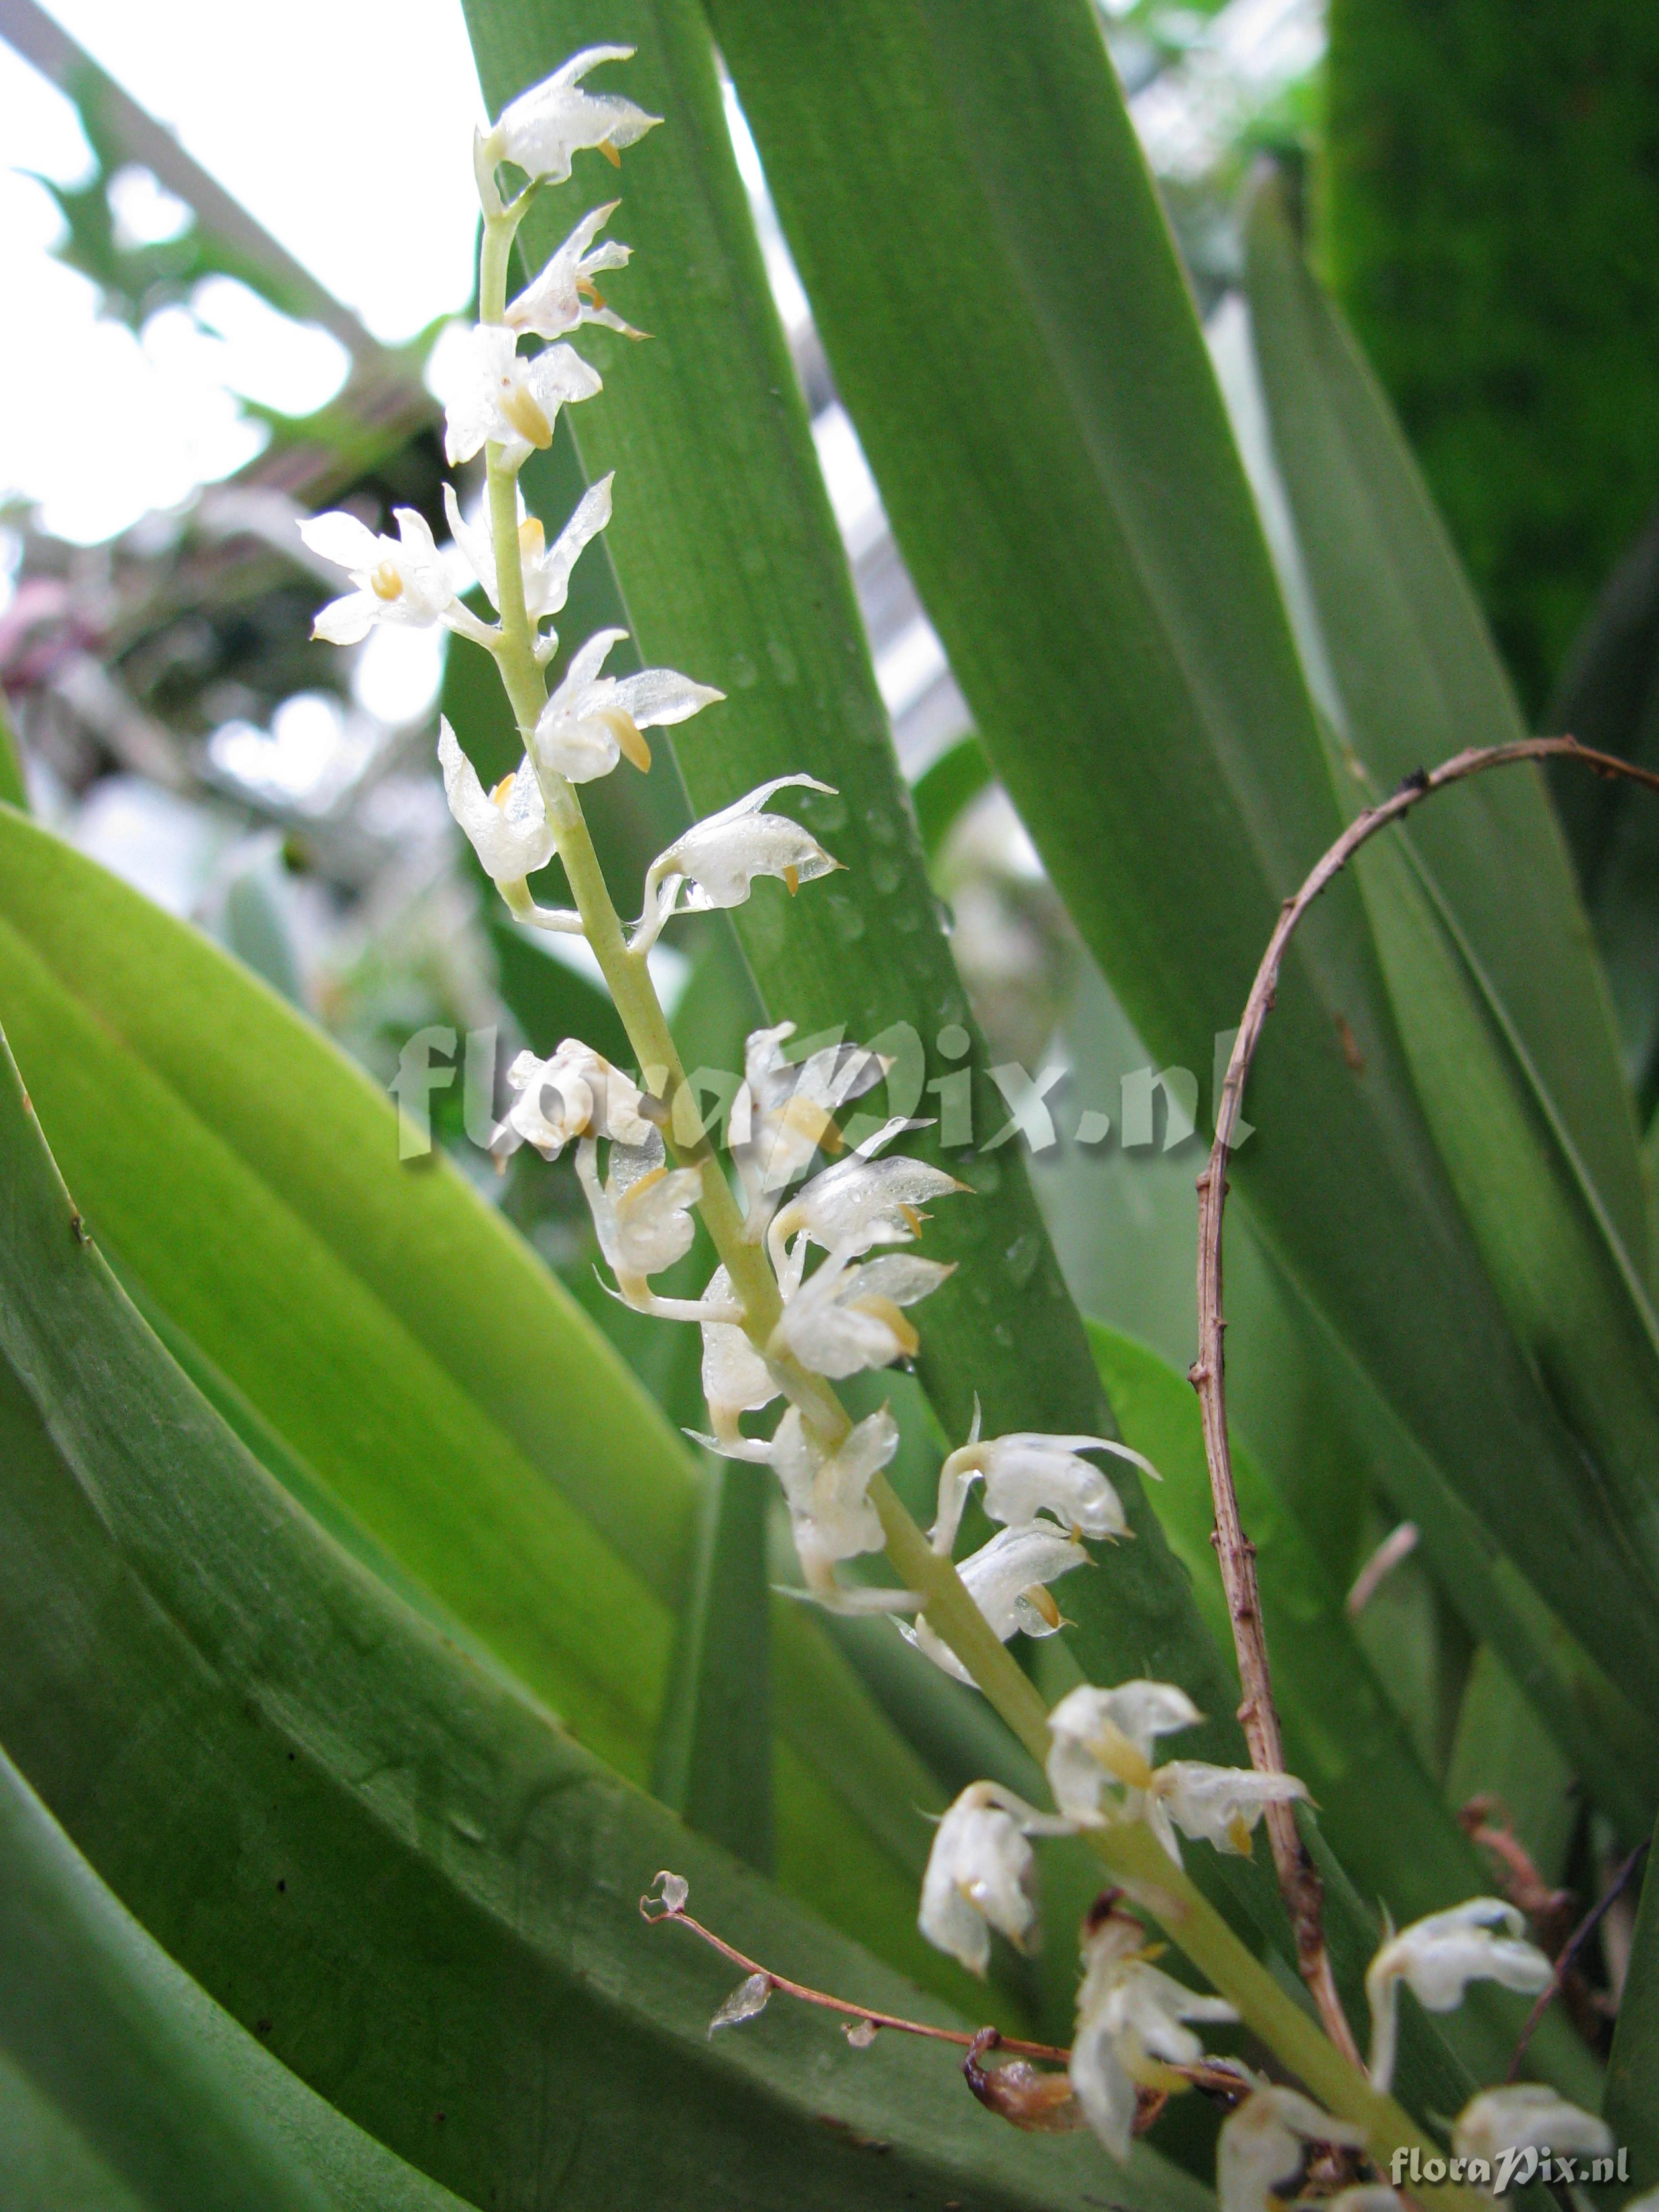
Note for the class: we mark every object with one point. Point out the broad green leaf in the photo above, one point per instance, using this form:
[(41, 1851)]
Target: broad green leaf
[(1509, 1034), (273, 1273), (450, 1277), (1612, 1743), (1609, 698), (1418, 679), (1035, 403), (714, 1752), (124, 2084), (1571, 1291), (1503, 1752), (946, 787), (49, 2159), (1632, 2110), (416, 1890), (1378, 1809), (413, 1360)]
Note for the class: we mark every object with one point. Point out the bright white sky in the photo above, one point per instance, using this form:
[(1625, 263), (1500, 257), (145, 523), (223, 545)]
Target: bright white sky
[(344, 128)]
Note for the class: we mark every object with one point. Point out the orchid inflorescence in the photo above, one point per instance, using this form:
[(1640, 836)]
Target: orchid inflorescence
[(775, 1326)]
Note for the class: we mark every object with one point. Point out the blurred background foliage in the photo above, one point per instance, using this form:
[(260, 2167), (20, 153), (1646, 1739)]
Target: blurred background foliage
[(1489, 219)]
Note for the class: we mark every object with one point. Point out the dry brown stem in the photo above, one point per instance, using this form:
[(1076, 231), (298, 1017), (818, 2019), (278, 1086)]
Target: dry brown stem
[(1298, 1879)]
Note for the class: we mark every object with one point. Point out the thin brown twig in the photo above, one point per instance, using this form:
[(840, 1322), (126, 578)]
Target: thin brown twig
[(1038, 2103), (1570, 1950), (1299, 1882), (809, 1996)]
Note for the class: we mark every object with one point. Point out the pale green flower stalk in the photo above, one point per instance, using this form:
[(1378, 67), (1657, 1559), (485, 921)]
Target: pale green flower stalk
[(1098, 1747)]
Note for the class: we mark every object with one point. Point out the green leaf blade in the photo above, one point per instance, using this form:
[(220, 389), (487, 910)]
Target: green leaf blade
[(424, 1891), (1038, 410)]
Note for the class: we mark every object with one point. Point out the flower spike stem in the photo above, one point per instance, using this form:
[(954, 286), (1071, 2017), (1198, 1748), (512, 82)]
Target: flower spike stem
[(1298, 1879), (1130, 1852), (1323, 2060)]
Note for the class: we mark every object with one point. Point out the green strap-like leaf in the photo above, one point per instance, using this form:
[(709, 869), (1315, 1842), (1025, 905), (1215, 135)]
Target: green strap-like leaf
[(713, 1753), (80, 947), (410, 1358), (1418, 679), (125, 2078), (949, 786), (1609, 698), (417, 1892), (1500, 1002), (1610, 1741), (1632, 2108), (1035, 403)]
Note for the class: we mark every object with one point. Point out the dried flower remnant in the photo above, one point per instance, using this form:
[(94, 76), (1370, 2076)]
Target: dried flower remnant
[(1037, 2100), (750, 1998)]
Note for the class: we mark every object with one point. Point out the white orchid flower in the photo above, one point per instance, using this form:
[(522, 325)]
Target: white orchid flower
[(401, 580), (1526, 2115), (715, 862), (542, 129), (505, 401), (736, 1380), (785, 1110), (1025, 1474), (1438, 1958), (982, 1875), (1104, 1739), (1218, 1805), (830, 1515), (545, 569), (1131, 2021), (508, 829), (847, 1317), (641, 1211), (859, 1202), (1100, 1768), (593, 720), (1262, 2144), (564, 295), (1008, 1580), (575, 1093)]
